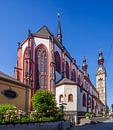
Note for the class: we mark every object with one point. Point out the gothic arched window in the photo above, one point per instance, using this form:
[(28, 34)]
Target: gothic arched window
[(57, 62), (70, 98), (84, 100), (73, 75), (25, 61), (27, 67), (41, 67), (67, 70)]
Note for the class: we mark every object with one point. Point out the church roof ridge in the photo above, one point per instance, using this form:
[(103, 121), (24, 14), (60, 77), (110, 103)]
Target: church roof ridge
[(65, 81), (44, 26)]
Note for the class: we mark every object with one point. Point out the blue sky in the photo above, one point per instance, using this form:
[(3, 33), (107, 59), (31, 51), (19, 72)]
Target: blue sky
[(87, 26)]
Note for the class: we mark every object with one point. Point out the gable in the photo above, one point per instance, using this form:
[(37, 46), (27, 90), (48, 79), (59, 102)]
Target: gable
[(44, 31), (99, 72)]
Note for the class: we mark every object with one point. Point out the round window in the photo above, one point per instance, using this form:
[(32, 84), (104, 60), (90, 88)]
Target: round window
[(10, 94)]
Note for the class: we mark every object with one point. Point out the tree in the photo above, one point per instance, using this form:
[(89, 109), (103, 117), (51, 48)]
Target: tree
[(44, 103)]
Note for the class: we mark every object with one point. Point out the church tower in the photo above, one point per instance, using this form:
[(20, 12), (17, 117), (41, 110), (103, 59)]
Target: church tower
[(101, 79), (84, 67)]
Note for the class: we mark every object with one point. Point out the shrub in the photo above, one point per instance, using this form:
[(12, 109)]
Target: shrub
[(34, 116), (89, 115), (5, 107), (45, 105), (59, 115), (25, 118), (3, 111), (44, 102), (45, 110), (48, 119), (10, 116)]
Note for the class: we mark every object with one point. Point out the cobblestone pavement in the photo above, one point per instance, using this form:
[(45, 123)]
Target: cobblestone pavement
[(106, 125)]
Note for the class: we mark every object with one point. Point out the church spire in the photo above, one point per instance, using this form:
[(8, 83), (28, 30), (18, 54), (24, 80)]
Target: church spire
[(59, 32), (101, 58), (84, 65)]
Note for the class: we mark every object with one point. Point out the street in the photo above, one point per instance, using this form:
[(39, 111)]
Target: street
[(106, 125)]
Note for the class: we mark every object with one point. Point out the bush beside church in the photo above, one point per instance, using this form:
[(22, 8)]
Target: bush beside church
[(44, 105)]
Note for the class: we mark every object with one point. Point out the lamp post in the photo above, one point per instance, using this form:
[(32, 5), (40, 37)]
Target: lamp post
[(62, 104)]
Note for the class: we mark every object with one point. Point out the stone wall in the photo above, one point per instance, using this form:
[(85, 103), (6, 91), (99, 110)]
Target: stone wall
[(60, 125), (23, 94)]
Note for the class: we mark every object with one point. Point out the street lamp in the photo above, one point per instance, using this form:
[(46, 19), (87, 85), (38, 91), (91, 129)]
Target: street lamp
[(62, 104)]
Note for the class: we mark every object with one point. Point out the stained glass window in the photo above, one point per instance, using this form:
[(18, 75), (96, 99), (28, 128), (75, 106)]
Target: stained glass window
[(57, 62), (74, 75), (41, 67), (67, 70)]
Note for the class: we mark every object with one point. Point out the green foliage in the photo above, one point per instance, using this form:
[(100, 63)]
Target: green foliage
[(4, 108), (59, 115), (10, 116), (25, 118), (44, 102), (34, 116), (47, 119), (89, 115), (45, 110)]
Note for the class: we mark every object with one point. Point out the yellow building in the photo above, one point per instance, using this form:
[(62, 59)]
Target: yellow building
[(14, 92)]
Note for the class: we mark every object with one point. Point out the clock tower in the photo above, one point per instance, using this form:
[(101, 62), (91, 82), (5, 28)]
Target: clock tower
[(101, 79)]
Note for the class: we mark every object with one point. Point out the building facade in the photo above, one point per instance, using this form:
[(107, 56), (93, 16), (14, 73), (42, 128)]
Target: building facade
[(44, 63), (14, 92)]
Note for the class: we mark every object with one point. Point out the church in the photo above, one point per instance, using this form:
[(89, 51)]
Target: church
[(43, 62)]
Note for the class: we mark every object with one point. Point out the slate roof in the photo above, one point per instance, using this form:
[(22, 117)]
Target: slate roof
[(65, 81), (44, 31)]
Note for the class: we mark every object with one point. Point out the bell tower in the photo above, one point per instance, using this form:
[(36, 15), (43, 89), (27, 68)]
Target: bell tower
[(101, 79)]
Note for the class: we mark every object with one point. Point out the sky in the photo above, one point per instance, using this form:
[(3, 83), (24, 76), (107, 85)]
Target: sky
[(87, 26)]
